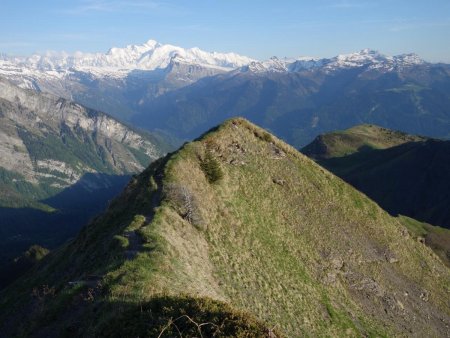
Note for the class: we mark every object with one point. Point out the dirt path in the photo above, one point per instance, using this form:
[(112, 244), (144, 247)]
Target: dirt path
[(134, 240), (134, 244)]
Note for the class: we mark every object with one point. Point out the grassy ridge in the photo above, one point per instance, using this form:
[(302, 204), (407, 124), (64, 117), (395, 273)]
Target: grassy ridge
[(275, 236), (361, 138), (405, 174)]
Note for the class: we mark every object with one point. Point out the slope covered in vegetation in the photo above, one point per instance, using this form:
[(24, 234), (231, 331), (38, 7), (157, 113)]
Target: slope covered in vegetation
[(405, 174), (243, 226), (360, 138)]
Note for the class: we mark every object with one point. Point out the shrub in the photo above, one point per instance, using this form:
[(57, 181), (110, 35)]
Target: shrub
[(263, 135), (185, 203), (211, 167), (35, 253), (121, 241)]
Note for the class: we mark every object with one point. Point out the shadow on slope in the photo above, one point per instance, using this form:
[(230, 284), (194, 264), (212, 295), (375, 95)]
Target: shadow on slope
[(411, 179), (22, 227), (169, 316)]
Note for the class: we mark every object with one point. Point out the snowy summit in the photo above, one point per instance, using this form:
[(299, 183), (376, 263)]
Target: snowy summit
[(148, 56)]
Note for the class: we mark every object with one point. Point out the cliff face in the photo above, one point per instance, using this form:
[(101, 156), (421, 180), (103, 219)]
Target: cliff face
[(42, 137)]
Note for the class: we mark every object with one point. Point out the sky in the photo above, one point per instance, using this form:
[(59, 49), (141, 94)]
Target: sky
[(255, 28)]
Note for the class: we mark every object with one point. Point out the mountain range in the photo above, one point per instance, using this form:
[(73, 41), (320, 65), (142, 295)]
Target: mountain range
[(235, 234), (150, 56), (300, 105), (119, 80), (184, 92)]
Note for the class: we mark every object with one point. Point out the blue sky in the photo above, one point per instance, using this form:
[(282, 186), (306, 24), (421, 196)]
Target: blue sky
[(259, 29)]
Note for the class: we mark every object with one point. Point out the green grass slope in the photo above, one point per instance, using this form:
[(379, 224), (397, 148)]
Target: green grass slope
[(404, 174), (360, 138), (254, 234)]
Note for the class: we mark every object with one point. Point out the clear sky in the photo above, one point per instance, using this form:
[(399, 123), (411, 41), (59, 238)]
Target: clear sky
[(256, 28)]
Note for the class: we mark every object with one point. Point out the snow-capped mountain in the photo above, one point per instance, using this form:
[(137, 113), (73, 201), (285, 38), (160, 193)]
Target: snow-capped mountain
[(123, 81), (370, 58), (272, 65), (148, 56), (122, 78), (152, 55), (373, 60)]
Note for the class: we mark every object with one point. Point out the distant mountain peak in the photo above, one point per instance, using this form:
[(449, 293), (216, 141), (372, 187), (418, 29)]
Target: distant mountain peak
[(152, 43), (371, 58), (410, 58), (147, 56), (151, 55)]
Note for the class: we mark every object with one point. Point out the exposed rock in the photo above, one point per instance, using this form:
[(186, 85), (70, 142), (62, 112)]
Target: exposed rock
[(390, 257), (277, 152), (424, 295), (279, 181), (337, 263)]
